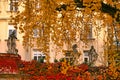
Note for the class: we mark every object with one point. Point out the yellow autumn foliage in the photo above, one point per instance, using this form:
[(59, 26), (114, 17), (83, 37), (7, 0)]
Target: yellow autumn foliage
[(60, 20)]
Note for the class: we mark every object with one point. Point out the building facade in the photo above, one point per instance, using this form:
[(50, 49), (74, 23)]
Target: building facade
[(27, 53)]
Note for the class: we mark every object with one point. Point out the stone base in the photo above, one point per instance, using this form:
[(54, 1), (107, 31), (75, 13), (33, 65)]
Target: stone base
[(9, 63)]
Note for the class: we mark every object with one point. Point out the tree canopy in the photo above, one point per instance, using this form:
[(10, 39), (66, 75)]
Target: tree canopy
[(60, 21)]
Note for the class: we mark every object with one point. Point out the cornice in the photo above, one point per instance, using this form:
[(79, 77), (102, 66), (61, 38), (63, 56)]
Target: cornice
[(4, 18)]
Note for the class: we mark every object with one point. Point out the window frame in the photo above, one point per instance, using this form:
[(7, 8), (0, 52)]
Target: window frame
[(39, 55), (13, 5), (86, 56)]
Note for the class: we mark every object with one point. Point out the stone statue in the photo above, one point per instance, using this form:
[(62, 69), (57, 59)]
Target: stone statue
[(75, 54), (11, 43), (92, 55), (74, 48)]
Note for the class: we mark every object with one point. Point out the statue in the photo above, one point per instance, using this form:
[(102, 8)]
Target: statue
[(92, 55), (11, 43), (74, 48), (75, 54)]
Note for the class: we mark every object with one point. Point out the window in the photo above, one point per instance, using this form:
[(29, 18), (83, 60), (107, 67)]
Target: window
[(90, 36), (86, 57), (86, 27), (13, 5), (35, 33), (38, 56), (86, 60), (87, 35)]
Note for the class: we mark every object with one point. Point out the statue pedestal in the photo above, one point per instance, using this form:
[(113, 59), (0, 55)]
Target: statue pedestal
[(9, 63)]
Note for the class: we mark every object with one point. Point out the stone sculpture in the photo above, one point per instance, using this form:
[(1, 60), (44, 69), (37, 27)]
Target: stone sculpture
[(11, 43)]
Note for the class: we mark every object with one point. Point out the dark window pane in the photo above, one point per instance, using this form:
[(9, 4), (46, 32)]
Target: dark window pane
[(35, 57), (86, 60), (13, 5), (40, 59)]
